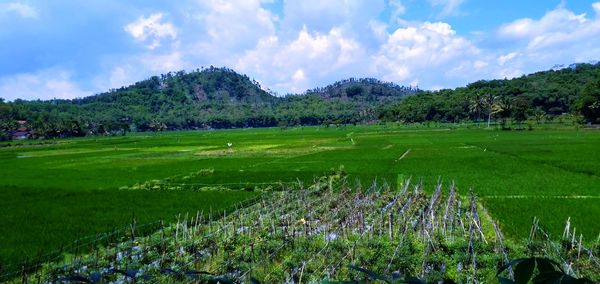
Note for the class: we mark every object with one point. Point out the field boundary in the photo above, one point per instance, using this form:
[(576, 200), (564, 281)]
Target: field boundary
[(540, 197)]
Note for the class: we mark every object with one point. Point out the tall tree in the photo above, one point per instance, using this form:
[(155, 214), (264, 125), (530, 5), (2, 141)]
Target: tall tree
[(502, 108), (519, 109), (476, 106), (588, 103), (489, 100)]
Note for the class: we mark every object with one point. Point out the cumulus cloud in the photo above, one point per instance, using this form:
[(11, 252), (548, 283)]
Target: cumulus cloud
[(412, 53), (322, 15), (557, 27), (21, 9), (45, 84), (558, 21), (119, 76), (379, 30), (151, 28), (309, 57), (286, 58), (506, 58), (559, 37), (306, 44), (125, 70), (211, 32), (236, 24)]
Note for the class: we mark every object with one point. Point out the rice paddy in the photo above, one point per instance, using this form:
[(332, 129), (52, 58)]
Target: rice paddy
[(62, 190)]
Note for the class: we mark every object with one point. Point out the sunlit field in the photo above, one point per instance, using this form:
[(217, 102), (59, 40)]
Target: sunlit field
[(57, 191)]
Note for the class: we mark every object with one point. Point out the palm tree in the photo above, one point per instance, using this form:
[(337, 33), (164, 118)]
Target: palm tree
[(156, 125), (488, 101), (476, 106), (540, 116), (503, 108)]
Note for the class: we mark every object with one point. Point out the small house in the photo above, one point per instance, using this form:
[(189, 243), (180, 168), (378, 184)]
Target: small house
[(22, 132)]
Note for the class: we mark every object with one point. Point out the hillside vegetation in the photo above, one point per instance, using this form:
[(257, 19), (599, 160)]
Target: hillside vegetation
[(539, 96), (209, 98), (222, 98)]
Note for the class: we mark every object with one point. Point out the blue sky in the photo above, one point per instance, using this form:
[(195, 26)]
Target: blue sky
[(72, 48)]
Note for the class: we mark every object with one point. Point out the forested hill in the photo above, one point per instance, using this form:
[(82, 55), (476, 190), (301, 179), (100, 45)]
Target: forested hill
[(208, 98), (222, 98), (219, 85), (574, 90), (368, 89)]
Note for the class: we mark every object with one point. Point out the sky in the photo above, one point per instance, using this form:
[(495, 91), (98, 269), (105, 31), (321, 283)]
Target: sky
[(73, 48)]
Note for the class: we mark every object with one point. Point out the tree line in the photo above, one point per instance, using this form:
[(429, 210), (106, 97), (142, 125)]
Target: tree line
[(221, 98), (540, 96)]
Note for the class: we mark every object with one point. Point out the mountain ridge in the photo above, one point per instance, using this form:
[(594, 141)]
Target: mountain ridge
[(222, 98)]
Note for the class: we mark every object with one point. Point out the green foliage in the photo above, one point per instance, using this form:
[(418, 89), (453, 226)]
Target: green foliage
[(318, 233), (551, 93), (537, 270), (203, 99), (221, 98), (588, 104)]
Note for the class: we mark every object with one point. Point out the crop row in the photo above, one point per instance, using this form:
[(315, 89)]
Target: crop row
[(315, 233)]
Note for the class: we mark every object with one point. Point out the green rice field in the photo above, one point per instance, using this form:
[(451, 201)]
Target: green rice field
[(55, 192)]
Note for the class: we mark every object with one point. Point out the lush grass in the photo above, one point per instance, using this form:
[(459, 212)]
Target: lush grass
[(316, 233), (53, 194)]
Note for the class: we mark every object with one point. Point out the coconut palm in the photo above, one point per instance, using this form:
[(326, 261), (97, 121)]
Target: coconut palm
[(540, 115), (488, 102), (503, 108), (476, 106)]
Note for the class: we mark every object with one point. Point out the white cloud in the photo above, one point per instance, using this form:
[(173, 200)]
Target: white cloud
[(214, 32), (294, 65), (218, 32), (558, 37), (596, 7), (449, 7), (379, 30), (412, 53), (298, 76), (126, 70), (506, 58), (23, 10), (398, 9), (353, 16), (235, 25), (117, 77), (480, 64), (559, 20), (312, 43), (151, 28), (163, 62), (120, 76), (508, 73), (45, 84)]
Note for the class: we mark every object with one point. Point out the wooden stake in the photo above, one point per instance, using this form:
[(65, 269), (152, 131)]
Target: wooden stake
[(390, 227)]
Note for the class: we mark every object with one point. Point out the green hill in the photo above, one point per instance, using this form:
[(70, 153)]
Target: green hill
[(222, 98), (542, 95), (208, 98)]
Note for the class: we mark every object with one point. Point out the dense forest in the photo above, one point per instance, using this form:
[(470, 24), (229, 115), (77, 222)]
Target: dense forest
[(221, 98), (543, 95)]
